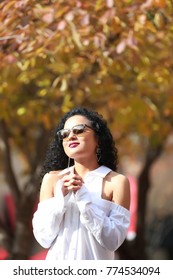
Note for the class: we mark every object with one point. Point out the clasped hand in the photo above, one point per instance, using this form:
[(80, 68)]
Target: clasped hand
[(71, 182)]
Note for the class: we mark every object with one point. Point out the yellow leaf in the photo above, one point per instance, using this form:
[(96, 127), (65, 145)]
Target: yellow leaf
[(75, 35), (21, 111), (63, 85), (23, 66)]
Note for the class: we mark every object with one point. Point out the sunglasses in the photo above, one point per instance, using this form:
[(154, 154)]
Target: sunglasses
[(76, 130)]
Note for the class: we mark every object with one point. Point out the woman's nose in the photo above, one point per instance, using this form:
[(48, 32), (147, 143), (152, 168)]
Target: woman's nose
[(71, 135)]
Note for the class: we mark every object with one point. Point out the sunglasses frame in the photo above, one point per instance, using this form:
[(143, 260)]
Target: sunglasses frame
[(68, 130)]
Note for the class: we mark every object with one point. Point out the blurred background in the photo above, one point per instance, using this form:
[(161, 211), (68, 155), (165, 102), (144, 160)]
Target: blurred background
[(111, 56)]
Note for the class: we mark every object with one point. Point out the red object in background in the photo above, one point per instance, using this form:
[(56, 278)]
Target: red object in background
[(133, 208), (11, 211), (40, 255), (3, 254)]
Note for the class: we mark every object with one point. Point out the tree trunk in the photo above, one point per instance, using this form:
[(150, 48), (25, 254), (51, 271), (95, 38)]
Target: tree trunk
[(23, 235), (136, 249), (25, 199), (143, 188)]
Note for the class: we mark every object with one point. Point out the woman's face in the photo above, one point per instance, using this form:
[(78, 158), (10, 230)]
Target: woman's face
[(80, 146)]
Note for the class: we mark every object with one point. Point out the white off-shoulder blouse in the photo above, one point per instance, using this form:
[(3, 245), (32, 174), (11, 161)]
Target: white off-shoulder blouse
[(81, 225)]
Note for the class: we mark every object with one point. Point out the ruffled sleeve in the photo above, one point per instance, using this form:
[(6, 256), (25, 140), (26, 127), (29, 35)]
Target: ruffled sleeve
[(109, 226)]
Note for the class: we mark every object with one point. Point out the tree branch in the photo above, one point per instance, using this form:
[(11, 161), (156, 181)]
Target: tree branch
[(9, 173)]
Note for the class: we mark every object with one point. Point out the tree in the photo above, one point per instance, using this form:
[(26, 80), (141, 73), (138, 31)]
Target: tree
[(58, 54)]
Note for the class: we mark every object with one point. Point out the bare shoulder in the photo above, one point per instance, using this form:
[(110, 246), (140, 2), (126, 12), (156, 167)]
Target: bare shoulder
[(51, 176), (115, 177), (48, 183), (121, 188)]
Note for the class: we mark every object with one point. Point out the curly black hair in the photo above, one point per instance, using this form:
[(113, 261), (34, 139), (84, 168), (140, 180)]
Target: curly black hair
[(56, 159)]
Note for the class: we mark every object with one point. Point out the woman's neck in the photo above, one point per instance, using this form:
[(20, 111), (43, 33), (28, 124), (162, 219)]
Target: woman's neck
[(82, 169)]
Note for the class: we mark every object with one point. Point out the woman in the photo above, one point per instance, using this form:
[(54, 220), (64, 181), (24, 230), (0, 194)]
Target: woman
[(83, 211)]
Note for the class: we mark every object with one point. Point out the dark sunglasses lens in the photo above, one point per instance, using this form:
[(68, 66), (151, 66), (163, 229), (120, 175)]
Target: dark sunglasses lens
[(63, 134), (78, 129)]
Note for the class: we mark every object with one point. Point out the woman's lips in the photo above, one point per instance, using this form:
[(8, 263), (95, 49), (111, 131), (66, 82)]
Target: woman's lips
[(73, 144)]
